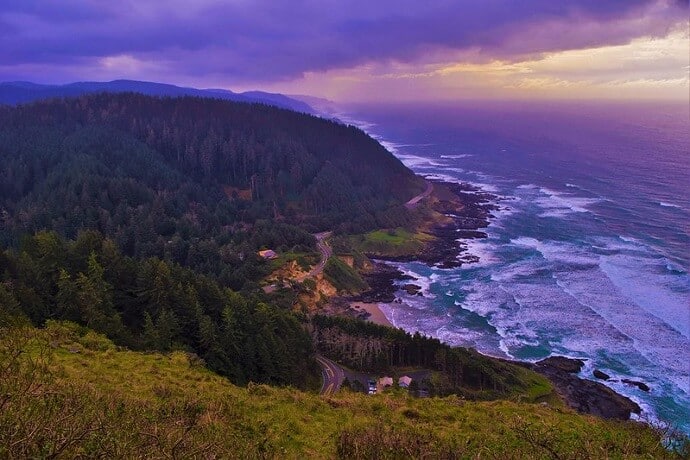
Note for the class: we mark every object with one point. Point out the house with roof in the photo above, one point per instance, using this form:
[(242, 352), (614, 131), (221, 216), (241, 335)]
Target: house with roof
[(268, 254), (404, 381)]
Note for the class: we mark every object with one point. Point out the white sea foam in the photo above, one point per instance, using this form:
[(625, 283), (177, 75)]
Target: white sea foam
[(424, 282), (456, 336), (484, 186), (619, 243), (481, 248), (416, 161), (456, 157), (564, 253), (669, 205), (516, 272), (651, 337), (443, 177), (454, 169), (648, 283), (557, 204)]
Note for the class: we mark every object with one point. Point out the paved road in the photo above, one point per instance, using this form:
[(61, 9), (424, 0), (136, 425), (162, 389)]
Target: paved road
[(333, 375), (414, 201), (326, 253)]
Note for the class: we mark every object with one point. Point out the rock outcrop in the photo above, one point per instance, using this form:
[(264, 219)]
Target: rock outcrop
[(601, 375), (585, 396)]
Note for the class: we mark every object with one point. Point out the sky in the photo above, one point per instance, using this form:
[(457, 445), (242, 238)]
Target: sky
[(360, 50)]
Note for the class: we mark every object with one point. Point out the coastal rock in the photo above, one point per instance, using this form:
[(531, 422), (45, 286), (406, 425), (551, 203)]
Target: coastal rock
[(468, 210), (381, 280), (585, 396), (412, 289), (569, 365), (642, 386), (601, 375)]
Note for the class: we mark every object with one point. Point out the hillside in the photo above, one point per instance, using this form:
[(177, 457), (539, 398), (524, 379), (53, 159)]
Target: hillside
[(64, 396), (142, 218), (21, 92), (188, 179)]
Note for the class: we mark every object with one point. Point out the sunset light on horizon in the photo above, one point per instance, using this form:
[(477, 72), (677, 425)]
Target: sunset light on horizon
[(387, 52)]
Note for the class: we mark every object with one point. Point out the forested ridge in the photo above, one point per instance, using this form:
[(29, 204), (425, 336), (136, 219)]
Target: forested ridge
[(151, 304), (188, 179), (141, 217)]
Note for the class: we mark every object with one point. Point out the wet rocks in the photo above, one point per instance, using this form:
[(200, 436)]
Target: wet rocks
[(381, 280), (412, 289), (642, 386), (585, 396), (601, 375), (569, 365)]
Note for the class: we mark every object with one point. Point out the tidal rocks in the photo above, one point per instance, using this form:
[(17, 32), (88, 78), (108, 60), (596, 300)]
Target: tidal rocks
[(601, 375), (585, 396), (642, 386), (381, 280), (569, 365), (412, 289)]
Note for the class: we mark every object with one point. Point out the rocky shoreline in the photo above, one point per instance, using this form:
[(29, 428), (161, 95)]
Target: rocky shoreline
[(585, 396), (467, 210), (466, 221)]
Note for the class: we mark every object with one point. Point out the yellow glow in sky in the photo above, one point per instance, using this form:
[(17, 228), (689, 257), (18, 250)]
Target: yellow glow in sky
[(642, 69)]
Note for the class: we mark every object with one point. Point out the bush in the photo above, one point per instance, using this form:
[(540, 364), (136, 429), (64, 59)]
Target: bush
[(344, 278)]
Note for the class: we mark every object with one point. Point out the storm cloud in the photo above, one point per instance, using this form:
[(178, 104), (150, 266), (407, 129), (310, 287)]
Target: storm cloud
[(274, 40)]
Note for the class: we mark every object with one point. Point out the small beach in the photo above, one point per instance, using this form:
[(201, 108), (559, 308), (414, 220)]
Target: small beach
[(375, 314)]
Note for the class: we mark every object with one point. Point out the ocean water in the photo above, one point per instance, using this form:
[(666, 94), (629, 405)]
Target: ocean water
[(590, 253)]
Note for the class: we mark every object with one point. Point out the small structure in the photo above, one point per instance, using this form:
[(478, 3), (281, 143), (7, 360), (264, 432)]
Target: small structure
[(268, 254), (404, 381), (371, 386), (385, 382)]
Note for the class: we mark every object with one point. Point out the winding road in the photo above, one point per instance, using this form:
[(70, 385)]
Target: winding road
[(333, 375), (415, 201), (326, 253)]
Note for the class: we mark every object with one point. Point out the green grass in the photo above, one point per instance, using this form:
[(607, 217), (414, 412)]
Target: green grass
[(343, 277), (392, 243), (110, 402), (304, 259)]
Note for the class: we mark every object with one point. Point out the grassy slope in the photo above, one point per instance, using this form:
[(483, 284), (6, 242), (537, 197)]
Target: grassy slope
[(389, 243), (121, 403)]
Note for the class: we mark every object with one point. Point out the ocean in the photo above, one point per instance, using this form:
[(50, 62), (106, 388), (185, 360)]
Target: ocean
[(589, 254)]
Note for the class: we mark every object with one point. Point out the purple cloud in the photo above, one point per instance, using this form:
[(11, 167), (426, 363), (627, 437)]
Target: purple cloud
[(267, 40)]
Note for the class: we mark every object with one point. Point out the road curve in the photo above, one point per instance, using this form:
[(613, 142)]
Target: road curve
[(414, 201), (326, 253), (333, 375)]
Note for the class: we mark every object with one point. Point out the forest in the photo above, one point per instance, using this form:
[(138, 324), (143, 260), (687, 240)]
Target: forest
[(462, 371), (141, 218), (151, 304), (200, 182)]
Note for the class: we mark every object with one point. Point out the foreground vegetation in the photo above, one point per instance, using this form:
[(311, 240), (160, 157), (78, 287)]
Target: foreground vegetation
[(67, 391), (138, 220), (152, 304)]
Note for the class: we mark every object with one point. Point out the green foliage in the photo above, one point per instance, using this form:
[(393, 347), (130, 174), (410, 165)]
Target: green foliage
[(62, 394), (154, 305), (366, 346), (175, 177), (389, 243), (343, 277)]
